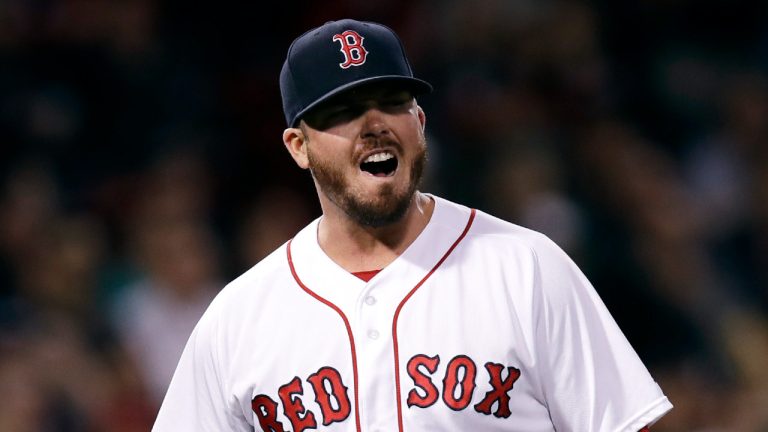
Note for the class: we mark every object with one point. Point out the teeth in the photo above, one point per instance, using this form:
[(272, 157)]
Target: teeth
[(379, 157)]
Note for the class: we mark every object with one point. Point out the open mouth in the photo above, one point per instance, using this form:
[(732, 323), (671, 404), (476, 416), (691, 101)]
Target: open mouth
[(381, 164)]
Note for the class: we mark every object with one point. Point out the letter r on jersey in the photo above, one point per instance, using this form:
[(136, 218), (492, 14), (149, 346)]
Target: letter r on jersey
[(352, 48), (266, 412)]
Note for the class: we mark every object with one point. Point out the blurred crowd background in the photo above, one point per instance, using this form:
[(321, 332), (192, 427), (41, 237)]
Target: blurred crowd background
[(142, 168)]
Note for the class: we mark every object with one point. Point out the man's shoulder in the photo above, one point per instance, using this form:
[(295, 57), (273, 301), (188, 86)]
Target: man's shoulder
[(238, 303), (491, 230)]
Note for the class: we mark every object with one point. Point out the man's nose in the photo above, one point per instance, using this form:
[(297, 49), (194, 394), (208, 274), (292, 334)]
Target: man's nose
[(374, 124)]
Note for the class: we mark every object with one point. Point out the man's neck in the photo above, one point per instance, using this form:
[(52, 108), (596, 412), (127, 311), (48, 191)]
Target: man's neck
[(356, 247)]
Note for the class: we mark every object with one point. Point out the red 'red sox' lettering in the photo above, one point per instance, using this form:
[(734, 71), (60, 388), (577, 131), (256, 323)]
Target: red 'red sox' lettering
[(459, 384), (293, 408), (323, 398), (500, 390), (266, 412), (332, 396), (301, 418), (451, 381), (422, 381)]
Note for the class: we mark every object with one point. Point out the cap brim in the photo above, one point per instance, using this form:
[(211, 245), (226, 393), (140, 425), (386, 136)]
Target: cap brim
[(415, 85)]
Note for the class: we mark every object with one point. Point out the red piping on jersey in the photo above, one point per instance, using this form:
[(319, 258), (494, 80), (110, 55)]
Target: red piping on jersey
[(400, 307), (346, 324)]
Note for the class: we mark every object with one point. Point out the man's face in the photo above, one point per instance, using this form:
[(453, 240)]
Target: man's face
[(367, 151)]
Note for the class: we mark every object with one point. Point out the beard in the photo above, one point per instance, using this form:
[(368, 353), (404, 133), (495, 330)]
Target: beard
[(388, 206)]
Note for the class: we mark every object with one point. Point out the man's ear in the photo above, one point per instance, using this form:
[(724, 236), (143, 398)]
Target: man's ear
[(422, 117), (296, 143)]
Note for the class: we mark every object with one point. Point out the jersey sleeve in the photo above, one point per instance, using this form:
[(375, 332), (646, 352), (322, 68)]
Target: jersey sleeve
[(592, 378), (196, 400)]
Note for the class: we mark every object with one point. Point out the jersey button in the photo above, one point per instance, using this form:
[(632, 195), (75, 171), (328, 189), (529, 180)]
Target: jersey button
[(373, 334), (370, 300)]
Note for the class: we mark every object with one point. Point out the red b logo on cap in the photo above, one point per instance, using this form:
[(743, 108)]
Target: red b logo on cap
[(352, 48)]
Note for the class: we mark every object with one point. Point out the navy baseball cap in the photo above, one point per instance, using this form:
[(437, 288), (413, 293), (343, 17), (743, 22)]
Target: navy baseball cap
[(338, 56)]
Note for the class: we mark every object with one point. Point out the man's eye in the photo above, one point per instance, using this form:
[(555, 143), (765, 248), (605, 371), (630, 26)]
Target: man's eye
[(335, 113), (343, 113), (332, 117)]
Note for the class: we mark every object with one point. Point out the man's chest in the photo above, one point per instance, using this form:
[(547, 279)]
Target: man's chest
[(449, 354)]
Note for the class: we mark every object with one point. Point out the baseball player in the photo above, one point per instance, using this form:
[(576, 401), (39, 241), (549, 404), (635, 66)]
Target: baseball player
[(398, 310)]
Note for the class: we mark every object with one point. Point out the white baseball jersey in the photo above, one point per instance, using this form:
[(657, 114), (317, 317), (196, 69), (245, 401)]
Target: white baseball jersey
[(479, 325)]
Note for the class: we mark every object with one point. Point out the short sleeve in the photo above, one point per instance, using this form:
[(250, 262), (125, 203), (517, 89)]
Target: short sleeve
[(196, 399), (592, 378)]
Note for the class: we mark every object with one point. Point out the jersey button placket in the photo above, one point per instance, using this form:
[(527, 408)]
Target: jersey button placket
[(370, 313), (375, 357)]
